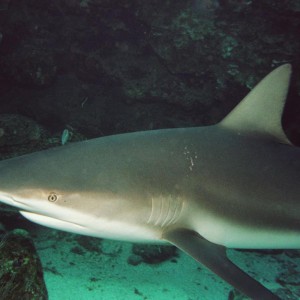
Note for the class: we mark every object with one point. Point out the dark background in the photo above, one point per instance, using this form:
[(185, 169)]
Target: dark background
[(99, 67)]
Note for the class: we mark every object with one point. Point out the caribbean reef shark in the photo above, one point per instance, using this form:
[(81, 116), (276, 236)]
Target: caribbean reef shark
[(204, 189)]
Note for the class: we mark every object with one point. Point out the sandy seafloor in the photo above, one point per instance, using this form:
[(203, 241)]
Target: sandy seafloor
[(107, 275)]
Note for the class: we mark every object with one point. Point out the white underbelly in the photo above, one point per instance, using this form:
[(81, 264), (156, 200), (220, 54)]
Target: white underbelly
[(101, 228), (238, 236)]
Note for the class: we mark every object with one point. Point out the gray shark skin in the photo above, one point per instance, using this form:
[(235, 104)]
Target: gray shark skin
[(234, 184)]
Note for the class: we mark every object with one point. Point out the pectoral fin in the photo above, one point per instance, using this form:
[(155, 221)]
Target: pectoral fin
[(214, 257)]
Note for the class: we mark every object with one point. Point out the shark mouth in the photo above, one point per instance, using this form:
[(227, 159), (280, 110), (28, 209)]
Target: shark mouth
[(54, 223)]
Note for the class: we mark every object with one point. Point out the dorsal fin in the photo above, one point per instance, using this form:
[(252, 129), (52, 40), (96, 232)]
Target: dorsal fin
[(260, 112)]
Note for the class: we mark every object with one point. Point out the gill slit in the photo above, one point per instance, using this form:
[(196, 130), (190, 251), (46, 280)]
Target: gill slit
[(160, 211), (152, 211), (165, 211)]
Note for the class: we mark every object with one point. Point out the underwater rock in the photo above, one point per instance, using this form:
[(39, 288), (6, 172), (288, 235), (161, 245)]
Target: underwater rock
[(284, 294), (144, 64), (237, 295), (31, 66), (89, 244), (290, 280), (151, 254), (134, 260), (17, 130), (292, 253), (21, 275)]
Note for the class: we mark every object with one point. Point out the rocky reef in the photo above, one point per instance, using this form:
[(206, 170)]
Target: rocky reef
[(104, 67), (21, 275)]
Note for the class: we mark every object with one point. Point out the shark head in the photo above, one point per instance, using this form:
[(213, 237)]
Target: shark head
[(63, 189), (38, 193)]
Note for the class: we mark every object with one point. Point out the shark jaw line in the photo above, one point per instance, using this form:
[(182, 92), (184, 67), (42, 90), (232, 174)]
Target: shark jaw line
[(54, 222)]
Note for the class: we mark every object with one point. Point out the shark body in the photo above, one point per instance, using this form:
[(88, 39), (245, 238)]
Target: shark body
[(234, 184)]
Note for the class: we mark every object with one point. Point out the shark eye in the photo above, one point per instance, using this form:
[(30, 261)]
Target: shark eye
[(52, 197)]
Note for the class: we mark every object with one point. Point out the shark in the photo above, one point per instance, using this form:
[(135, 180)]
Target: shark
[(204, 189)]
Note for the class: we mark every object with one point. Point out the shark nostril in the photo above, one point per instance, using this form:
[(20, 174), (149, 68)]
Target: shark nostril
[(52, 197)]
